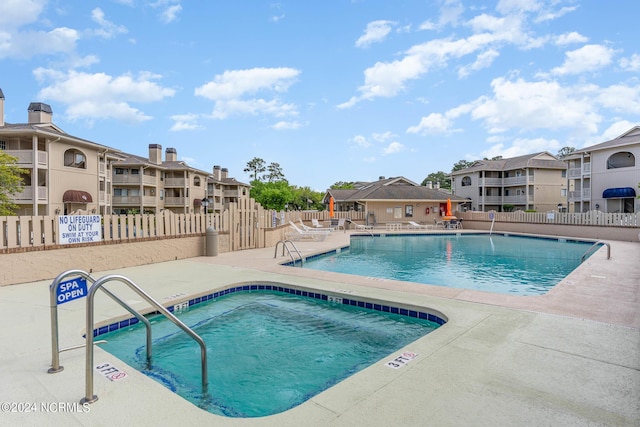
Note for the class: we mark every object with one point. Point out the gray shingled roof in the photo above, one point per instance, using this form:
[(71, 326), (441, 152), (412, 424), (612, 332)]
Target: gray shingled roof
[(534, 160), (398, 188), (632, 136)]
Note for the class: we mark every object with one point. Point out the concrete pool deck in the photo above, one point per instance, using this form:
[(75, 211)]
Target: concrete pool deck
[(570, 357)]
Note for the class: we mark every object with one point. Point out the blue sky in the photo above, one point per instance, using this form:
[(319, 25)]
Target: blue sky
[(338, 90)]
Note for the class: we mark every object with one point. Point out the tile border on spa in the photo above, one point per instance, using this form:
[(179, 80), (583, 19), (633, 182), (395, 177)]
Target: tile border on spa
[(376, 306)]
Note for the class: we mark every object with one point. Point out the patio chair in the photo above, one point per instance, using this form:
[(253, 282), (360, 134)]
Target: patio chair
[(437, 223), (413, 224), (298, 234), (341, 222), (307, 228), (315, 223)]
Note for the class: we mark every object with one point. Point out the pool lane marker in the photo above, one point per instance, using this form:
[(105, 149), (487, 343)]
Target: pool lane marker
[(401, 360)]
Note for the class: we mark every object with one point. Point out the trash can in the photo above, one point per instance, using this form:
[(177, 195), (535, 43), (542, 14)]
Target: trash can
[(211, 242)]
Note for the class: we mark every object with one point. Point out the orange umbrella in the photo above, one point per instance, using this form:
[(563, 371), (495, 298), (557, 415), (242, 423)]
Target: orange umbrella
[(448, 213), (331, 207)]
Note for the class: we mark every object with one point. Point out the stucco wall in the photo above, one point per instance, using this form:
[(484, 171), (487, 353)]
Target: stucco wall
[(45, 265)]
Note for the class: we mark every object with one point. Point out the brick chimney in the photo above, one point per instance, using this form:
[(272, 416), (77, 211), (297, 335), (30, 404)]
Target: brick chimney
[(155, 153), (171, 155), (39, 112)]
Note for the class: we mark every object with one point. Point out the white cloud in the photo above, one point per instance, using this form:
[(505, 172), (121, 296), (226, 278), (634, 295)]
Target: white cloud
[(620, 98), (570, 38), (284, 125), (101, 96), (228, 89), (185, 122), (521, 147), (382, 137), (236, 83), (361, 141), (590, 57), (434, 123), (25, 45), (16, 13), (375, 32), (107, 29), (631, 63), (537, 105), (229, 107), (393, 148), (483, 60)]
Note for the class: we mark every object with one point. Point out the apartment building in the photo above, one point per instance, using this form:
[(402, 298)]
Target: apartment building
[(64, 174), (531, 182), (70, 175), (606, 176)]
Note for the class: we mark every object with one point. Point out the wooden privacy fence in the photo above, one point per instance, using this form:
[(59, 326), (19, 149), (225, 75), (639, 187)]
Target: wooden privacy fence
[(246, 223), (591, 218)]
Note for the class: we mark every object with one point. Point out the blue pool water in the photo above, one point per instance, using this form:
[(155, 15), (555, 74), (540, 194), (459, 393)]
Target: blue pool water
[(268, 351), (497, 263)]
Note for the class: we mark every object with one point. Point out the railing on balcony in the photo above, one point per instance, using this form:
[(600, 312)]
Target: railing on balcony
[(25, 157), (174, 182), (517, 180), (174, 201), (26, 195), (492, 182)]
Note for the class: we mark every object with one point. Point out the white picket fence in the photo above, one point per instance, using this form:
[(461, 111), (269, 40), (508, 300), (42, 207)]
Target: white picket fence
[(591, 218)]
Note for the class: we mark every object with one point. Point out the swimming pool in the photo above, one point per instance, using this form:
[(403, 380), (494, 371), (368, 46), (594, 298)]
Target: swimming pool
[(496, 263), (269, 349)]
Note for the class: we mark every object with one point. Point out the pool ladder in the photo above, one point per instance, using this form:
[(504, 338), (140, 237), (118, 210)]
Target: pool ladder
[(599, 242), (98, 285), (285, 246)]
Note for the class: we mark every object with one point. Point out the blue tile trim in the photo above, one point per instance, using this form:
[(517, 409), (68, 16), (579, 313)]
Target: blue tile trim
[(262, 287)]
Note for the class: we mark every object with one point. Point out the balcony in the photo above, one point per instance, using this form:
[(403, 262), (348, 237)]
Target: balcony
[(27, 195), (127, 179), (174, 182), (134, 200), (174, 201), (25, 157), (517, 180)]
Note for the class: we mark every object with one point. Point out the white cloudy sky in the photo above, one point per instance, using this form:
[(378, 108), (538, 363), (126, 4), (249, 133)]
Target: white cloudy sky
[(345, 90)]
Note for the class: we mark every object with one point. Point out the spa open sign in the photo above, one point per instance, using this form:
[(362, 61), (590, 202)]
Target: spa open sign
[(71, 289)]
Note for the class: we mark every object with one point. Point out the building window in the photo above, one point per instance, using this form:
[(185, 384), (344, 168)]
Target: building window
[(564, 173), (75, 159), (120, 171), (3, 145), (466, 181), (408, 211), (196, 181), (135, 172), (623, 159), (563, 192)]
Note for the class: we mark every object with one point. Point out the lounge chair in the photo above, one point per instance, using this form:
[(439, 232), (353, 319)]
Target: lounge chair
[(298, 234), (341, 222), (315, 223), (307, 228), (413, 224)]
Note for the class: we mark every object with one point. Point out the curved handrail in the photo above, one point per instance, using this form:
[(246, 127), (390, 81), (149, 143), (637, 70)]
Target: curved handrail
[(599, 242), (89, 396), (55, 343), (284, 246)]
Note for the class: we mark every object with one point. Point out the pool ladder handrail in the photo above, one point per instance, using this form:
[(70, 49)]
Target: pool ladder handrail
[(599, 242), (89, 396), (55, 341), (284, 246)]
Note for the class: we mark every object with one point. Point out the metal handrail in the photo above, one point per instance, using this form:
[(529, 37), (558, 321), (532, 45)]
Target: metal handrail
[(284, 246), (599, 242), (89, 396), (55, 343)]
